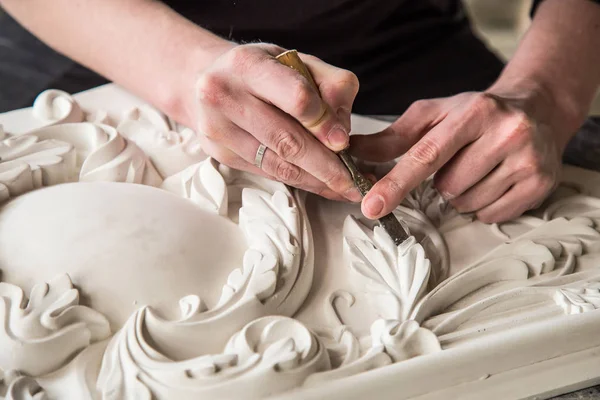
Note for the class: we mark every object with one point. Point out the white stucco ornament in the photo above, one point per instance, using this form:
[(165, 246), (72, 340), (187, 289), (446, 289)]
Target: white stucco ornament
[(135, 267)]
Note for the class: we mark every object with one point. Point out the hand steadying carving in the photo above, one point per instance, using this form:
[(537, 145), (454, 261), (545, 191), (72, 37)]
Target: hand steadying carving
[(498, 153), (247, 98), (493, 155)]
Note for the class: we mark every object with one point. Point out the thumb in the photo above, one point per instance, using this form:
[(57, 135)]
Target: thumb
[(401, 135)]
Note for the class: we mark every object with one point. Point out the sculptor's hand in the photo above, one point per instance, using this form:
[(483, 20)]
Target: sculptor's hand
[(246, 97), (494, 155)]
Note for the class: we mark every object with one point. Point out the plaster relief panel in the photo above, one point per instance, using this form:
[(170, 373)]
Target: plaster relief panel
[(133, 266)]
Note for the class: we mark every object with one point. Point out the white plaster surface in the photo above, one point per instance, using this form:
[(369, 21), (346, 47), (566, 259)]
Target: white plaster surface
[(132, 267)]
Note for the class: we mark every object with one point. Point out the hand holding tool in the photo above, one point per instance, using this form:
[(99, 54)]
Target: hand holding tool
[(389, 222)]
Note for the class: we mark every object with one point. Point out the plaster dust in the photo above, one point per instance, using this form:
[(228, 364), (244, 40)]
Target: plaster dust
[(133, 266)]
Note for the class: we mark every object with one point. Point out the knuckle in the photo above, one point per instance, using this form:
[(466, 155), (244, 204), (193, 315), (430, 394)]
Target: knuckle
[(210, 89), (335, 177), (333, 180), (531, 165), (425, 153), (288, 173), (288, 146), (520, 129), (349, 79), (418, 106), (482, 104), (240, 57)]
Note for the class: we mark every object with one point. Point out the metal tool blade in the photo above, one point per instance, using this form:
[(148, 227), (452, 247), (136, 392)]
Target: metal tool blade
[(388, 222)]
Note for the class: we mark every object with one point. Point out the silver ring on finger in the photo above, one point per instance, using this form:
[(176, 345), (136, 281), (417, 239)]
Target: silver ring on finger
[(260, 153)]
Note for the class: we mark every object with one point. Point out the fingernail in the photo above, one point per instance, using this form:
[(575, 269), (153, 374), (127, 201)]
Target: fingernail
[(338, 138), (353, 195), (373, 205)]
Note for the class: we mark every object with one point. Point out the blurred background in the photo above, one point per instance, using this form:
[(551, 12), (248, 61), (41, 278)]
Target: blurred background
[(500, 23)]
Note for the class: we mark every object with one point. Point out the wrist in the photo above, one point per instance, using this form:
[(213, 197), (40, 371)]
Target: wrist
[(544, 103), (179, 98)]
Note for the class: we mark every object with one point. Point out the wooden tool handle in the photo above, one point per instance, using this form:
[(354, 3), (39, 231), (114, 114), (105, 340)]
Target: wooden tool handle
[(292, 60)]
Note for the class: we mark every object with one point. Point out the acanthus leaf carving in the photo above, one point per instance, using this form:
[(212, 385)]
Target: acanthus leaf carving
[(170, 150), (267, 222), (202, 184), (40, 337), (390, 341), (426, 199), (533, 254), (27, 163), (398, 275)]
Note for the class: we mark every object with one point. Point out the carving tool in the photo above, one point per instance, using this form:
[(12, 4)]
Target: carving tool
[(389, 222)]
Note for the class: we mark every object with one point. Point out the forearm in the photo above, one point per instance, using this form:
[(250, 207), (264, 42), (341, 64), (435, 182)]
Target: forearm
[(559, 59), (141, 44)]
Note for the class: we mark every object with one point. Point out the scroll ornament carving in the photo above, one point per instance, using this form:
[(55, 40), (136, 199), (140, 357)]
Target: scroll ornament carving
[(268, 356), (504, 275), (69, 149), (272, 264), (14, 386), (53, 107), (52, 327)]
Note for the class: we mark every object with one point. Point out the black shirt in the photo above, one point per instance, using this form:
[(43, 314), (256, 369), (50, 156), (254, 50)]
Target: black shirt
[(401, 50)]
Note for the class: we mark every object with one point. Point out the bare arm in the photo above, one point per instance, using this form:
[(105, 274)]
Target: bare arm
[(498, 153), (141, 44), (558, 61)]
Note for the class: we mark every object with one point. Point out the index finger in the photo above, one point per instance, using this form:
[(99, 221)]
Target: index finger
[(423, 159), (296, 95)]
